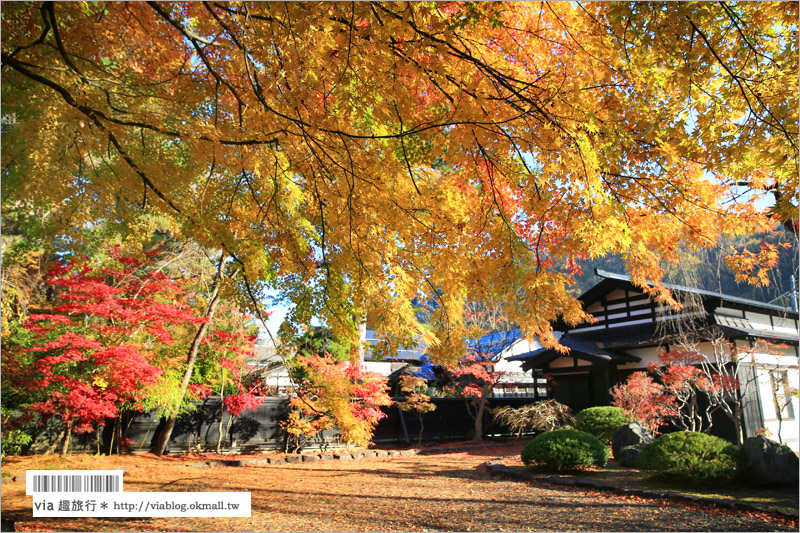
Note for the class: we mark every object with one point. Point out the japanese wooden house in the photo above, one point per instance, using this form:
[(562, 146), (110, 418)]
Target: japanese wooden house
[(631, 330)]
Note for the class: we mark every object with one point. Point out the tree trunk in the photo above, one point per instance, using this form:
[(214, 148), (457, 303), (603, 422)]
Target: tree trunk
[(738, 423), (479, 420), (53, 445), (169, 425), (65, 442), (118, 431), (482, 401), (362, 341), (221, 411), (228, 428)]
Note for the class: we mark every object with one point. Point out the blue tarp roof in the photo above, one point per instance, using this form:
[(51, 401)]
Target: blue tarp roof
[(489, 346), (492, 344)]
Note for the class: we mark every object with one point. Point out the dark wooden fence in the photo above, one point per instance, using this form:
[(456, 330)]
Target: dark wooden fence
[(259, 430)]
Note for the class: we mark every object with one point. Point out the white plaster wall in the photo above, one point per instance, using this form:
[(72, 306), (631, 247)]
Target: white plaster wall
[(618, 294), (788, 431), (521, 346), (647, 355), (568, 362), (506, 366), (384, 368)]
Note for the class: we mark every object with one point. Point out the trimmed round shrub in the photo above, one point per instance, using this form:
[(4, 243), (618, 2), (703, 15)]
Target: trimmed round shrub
[(602, 422), (564, 449), (692, 457)]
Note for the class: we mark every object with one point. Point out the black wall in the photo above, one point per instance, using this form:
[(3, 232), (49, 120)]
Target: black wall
[(259, 430)]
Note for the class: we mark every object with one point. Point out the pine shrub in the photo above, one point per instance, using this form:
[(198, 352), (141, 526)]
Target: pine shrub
[(602, 422), (690, 457), (564, 449)]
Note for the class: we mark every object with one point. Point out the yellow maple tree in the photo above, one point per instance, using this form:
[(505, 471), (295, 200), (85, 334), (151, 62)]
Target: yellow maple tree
[(356, 156)]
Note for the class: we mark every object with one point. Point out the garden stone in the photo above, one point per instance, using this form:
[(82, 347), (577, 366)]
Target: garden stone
[(294, 459), (632, 434), (769, 462), (310, 458), (225, 462), (627, 455)]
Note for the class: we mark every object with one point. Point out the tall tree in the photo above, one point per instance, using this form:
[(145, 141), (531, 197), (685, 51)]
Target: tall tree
[(94, 351), (359, 155)]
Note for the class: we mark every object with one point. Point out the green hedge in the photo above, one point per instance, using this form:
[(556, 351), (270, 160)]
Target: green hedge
[(602, 422), (691, 457), (564, 449)]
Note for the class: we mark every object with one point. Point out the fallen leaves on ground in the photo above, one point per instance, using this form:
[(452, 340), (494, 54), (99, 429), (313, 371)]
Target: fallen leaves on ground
[(440, 492)]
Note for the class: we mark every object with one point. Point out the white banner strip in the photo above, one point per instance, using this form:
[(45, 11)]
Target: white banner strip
[(45, 481), (142, 504)]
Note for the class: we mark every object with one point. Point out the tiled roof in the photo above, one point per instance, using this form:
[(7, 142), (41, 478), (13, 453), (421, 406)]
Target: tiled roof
[(581, 348)]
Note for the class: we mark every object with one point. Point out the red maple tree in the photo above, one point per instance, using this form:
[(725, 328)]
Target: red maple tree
[(93, 351), (648, 401), (474, 379)]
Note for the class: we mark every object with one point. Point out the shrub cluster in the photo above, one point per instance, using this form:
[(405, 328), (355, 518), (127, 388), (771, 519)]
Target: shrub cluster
[(692, 457), (564, 449), (602, 422)]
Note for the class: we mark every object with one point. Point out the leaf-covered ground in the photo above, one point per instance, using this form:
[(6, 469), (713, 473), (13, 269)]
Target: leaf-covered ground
[(443, 492)]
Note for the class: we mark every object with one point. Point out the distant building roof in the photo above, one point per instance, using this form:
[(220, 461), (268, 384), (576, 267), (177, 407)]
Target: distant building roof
[(415, 353), (491, 345)]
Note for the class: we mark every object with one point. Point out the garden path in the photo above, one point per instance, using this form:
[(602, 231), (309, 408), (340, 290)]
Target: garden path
[(440, 492)]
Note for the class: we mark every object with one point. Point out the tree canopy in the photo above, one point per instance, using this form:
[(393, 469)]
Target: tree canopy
[(358, 155)]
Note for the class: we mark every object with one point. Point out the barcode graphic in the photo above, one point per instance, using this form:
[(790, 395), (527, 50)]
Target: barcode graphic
[(75, 482)]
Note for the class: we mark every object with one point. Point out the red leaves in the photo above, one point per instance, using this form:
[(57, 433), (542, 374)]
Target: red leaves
[(96, 345), (648, 402), (239, 403), (684, 374), (199, 391), (472, 375), (69, 339)]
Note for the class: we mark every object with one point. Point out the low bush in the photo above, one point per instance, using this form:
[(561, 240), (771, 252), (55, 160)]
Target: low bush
[(692, 457), (564, 449), (602, 422)]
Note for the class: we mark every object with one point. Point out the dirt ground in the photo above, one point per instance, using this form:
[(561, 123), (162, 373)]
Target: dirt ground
[(441, 492)]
